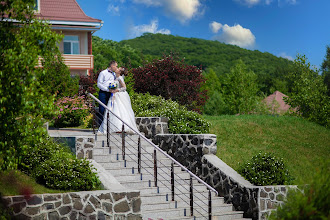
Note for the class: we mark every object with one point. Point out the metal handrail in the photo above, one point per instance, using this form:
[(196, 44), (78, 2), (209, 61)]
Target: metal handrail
[(155, 146)]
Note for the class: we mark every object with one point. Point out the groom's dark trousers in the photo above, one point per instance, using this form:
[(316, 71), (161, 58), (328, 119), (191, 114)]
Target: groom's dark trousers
[(104, 98)]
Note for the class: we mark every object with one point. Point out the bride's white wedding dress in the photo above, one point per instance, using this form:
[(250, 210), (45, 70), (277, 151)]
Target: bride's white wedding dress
[(119, 104)]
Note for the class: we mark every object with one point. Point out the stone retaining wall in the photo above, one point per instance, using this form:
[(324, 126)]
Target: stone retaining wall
[(77, 205), (152, 126), (270, 197), (84, 147), (197, 153)]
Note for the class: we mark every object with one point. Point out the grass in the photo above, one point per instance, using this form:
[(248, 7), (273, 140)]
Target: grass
[(303, 145), (14, 182)]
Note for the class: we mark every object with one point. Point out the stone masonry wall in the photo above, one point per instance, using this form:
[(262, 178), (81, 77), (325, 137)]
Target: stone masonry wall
[(84, 147), (77, 205), (190, 149), (152, 126), (270, 197)]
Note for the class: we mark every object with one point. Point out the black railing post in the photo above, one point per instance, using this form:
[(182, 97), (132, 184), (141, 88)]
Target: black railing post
[(108, 129), (191, 197), (123, 141), (155, 167), (139, 155), (172, 180), (210, 205), (94, 116)]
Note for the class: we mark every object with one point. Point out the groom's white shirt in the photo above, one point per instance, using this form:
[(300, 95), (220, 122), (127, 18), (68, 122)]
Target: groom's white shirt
[(104, 80)]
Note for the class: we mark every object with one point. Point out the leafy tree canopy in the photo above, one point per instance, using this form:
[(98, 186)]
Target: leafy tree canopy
[(24, 101)]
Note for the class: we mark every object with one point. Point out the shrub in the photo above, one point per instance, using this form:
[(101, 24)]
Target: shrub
[(181, 120), (87, 84), (38, 151), (309, 202), (71, 111), (64, 171), (172, 79), (265, 169)]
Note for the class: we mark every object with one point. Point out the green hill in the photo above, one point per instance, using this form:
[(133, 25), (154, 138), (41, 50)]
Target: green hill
[(303, 145), (213, 54)]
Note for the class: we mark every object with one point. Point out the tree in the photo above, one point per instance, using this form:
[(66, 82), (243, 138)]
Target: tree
[(308, 93), (171, 78), (24, 102), (239, 89), (326, 69)]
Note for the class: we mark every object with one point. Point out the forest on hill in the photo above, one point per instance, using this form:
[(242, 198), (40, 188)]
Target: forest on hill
[(219, 57), (237, 79)]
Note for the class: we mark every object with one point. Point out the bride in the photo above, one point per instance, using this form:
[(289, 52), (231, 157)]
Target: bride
[(119, 104)]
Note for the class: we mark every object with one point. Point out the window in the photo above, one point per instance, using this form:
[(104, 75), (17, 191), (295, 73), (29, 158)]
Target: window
[(71, 45), (37, 5)]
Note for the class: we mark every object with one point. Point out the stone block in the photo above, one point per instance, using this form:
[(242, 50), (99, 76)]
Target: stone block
[(17, 207), (48, 206), (88, 146), (65, 210), (131, 195), (42, 216), (73, 215), (263, 194), (134, 217), (66, 199), (53, 215), (272, 196), (95, 202), (89, 209), (118, 196), (107, 207), (80, 139), (136, 204), (89, 154), (262, 205), (33, 210), (105, 196), (34, 200), (49, 198), (18, 199), (77, 204), (58, 204), (268, 189), (121, 207)]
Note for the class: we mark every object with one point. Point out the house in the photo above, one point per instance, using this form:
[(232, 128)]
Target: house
[(276, 104), (66, 17)]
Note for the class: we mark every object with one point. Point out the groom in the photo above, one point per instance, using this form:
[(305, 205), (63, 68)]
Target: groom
[(106, 77)]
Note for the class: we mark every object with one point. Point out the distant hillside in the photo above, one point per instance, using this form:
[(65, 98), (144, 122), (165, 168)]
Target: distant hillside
[(213, 54)]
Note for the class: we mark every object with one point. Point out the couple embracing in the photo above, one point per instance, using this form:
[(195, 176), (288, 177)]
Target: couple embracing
[(113, 94)]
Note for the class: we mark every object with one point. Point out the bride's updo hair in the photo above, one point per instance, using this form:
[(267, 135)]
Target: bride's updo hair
[(123, 71)]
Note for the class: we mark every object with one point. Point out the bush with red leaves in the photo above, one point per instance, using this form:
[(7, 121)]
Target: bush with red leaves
[(171, 78), (87, 84)]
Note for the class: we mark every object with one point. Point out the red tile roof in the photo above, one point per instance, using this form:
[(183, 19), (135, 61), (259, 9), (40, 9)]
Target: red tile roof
[(276, 103), (63, 10)]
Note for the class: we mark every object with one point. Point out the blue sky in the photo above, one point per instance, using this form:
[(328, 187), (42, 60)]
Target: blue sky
[(281, 27)]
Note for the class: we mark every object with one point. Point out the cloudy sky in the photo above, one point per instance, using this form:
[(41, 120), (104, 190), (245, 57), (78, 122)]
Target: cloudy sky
[(281, 27)]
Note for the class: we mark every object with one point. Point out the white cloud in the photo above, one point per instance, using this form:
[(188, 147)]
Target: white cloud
[(182, 10), (215, 26), (149, 2), (251, 3), (113, 10), (136, 31), (236, 35), (284, 55)]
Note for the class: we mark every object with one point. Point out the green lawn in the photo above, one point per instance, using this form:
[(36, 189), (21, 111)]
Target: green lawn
[(303, 145), (14, 182)]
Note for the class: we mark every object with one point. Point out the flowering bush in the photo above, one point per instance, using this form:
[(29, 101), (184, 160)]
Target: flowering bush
[(181, 120), (171, 78), (71, 111), (265, 169)]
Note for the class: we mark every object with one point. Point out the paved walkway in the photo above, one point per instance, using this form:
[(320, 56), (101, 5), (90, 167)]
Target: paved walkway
[(70, 132)]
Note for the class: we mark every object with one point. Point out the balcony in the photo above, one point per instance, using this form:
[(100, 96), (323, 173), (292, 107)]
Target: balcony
[(78, 61)]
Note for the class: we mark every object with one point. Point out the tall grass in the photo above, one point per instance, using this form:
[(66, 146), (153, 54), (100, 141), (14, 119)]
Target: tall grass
[(303, 145)]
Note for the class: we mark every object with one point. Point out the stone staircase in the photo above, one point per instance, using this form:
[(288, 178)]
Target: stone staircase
[(156, 202)]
